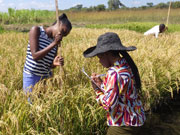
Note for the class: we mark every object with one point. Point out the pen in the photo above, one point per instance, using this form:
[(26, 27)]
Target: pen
[(91, 78), (101, 75)]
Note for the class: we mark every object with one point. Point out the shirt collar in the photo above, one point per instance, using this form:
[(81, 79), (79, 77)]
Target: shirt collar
[(120, 62), (117, 63)]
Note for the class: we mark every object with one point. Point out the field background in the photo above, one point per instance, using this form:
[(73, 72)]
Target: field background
[(138, 20), (72, 108)]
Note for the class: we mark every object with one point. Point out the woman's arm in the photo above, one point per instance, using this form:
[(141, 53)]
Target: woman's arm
[(110, 96), (34, 44)]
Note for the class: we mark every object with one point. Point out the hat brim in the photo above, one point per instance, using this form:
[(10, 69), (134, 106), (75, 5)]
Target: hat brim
[(93, 51)]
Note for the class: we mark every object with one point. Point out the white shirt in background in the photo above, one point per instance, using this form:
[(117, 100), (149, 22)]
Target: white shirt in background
[(154, 30)]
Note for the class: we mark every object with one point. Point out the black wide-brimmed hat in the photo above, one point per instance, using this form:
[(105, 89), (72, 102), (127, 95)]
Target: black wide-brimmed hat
[(107, 42)]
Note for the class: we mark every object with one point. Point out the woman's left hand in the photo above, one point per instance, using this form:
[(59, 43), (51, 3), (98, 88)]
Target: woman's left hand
[(58, 61)]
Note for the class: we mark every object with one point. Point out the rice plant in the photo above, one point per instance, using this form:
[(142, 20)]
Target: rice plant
[(71, 108)]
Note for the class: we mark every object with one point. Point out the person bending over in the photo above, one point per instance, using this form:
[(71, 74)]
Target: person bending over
[(156, 30), (42, 48)]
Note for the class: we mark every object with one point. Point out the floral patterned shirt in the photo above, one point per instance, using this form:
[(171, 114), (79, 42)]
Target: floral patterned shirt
[(119, 97)]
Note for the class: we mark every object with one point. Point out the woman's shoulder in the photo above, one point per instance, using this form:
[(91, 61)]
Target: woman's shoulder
[(121, 67), (112, 71), (35, 29)]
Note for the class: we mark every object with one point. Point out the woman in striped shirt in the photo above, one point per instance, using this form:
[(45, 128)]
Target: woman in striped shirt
[(118, 93), (42, 49)]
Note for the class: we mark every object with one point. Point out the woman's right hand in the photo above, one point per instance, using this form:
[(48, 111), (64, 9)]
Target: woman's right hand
[(97, 80), (57, 39)]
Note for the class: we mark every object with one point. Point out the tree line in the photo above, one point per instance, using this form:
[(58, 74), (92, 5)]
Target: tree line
[(117, 4)]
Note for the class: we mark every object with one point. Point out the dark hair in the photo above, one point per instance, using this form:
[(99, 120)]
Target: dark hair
[(132, 66), (63, 18), (161, 27)]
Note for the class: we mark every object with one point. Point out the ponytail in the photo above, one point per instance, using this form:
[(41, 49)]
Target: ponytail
[(63, 16), (64, 19), (133, 68)]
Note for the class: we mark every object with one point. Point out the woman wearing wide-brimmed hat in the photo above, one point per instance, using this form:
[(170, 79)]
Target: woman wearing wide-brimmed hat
[(118, 93)]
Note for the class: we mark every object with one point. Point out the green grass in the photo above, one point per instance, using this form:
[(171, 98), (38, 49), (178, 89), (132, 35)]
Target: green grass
[(26, 16), (1, 29), (135, 26)]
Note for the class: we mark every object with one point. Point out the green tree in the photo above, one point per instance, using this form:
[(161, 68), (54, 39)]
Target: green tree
[(100, 7), (162, 5), (150, 4), (77, 7), (115, 4), (175, 4)]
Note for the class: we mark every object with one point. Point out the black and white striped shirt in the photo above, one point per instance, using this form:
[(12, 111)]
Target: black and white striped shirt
[(40, 67)]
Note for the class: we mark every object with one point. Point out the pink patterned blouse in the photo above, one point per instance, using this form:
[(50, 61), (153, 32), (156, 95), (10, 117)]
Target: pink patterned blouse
[(119, 97)]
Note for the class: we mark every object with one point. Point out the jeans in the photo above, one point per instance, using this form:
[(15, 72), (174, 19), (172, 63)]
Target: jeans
[(29, 80)]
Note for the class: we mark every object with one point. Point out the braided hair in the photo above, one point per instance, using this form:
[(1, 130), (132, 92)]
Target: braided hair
[(132, 66)]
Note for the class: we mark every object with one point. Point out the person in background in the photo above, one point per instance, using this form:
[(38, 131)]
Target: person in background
[(41, 54), (156, 30), (118, 92)]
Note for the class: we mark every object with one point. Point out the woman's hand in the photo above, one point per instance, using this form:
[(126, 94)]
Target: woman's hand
[(57, 39), (58, 61), (97, 80)]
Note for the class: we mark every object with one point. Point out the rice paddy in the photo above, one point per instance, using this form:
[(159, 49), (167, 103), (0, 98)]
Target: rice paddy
[(66, 104), (72, 108)]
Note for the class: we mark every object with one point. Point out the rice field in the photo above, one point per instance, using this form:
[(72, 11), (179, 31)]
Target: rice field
[(71, 108)]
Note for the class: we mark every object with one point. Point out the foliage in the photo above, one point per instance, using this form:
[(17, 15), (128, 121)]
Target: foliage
[(150, 4), (80, 7), (161, 5), (1, 29), (83, 17), (114, 4), (176, 4), (25, 16), (143, 7), (100, 7), (77, 7)]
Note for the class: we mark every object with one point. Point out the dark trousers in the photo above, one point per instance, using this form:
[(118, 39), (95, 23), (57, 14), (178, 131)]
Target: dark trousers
[(124, 130)]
